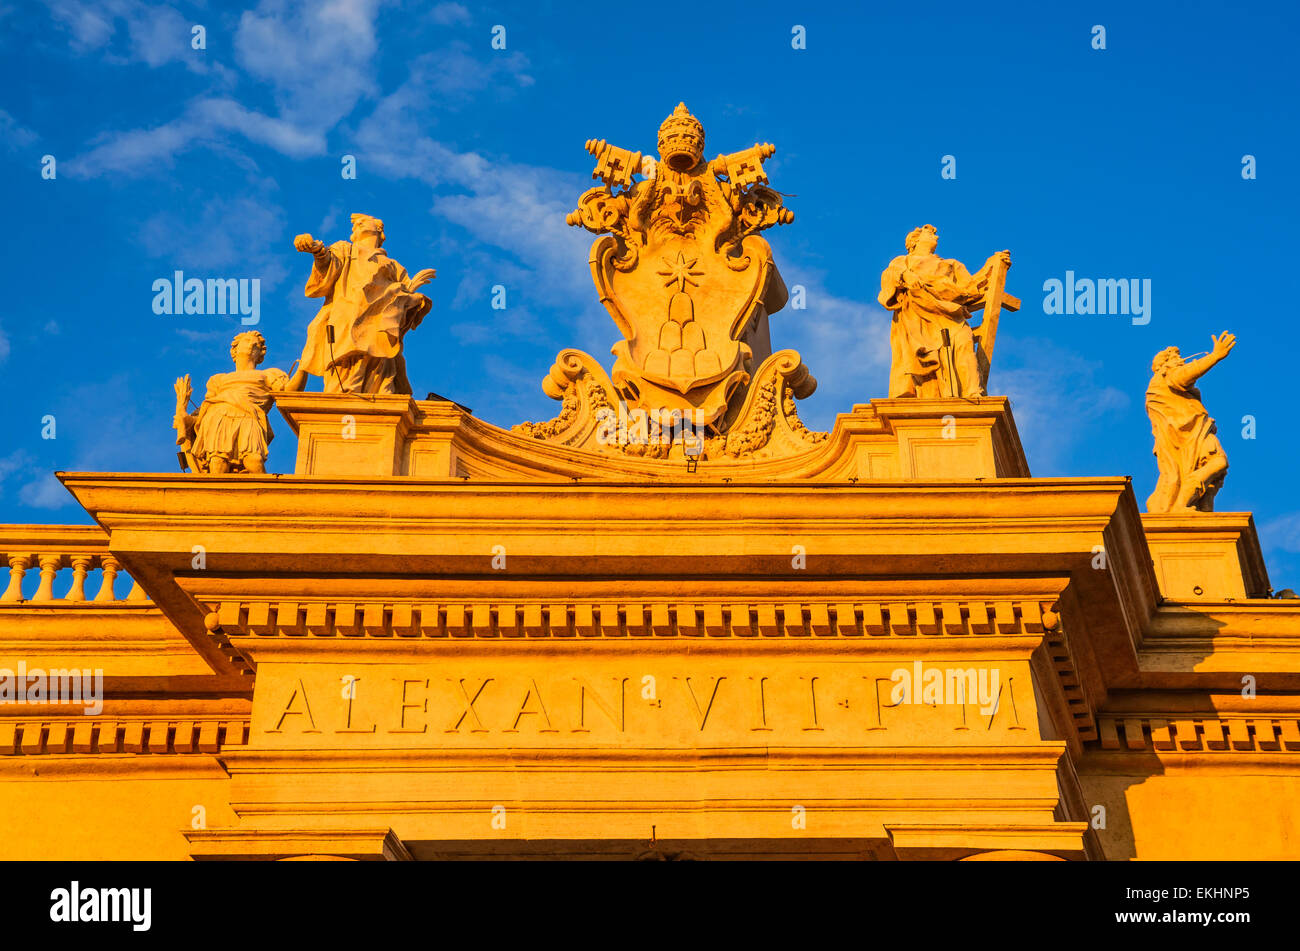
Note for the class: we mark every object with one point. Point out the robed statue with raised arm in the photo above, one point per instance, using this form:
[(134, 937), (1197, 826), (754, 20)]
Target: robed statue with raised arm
[(1188, 453), (355, 342)]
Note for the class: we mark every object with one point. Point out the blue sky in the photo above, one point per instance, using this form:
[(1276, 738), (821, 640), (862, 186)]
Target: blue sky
[(1116, 163)]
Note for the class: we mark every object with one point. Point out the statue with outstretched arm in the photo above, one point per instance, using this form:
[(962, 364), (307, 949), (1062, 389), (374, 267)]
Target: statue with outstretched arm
[(355, 342), (1188, 453)]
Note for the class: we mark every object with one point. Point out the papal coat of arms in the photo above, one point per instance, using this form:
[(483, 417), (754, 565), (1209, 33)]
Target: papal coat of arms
[(690, 284)]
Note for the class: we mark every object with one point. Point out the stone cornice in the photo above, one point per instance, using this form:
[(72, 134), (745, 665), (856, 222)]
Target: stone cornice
[(1236, 734), (107, 734)]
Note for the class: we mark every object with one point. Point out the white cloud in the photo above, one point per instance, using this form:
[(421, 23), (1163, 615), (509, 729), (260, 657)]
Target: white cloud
[(520, 211), (159, 35), (155, 33), (454, 74), (91, 26), (1281, 533), (1048, 384), (4, 346), (16, 461), (514, 207), (139, 151), (316, 56), (13, 134), (229, 238), (39, 488), (447, 14), (276, 133), (45, 492), (136, 151), (843, 342)]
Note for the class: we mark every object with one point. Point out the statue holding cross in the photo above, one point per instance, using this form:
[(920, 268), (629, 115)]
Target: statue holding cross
[(935, 351)]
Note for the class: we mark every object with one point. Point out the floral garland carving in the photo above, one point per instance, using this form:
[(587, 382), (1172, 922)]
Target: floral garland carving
[(797, 424), (758, 430)]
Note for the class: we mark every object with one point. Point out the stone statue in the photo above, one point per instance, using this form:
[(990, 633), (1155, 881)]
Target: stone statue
[(1191, 460), (933, 348), (355, 342), (230, 432)]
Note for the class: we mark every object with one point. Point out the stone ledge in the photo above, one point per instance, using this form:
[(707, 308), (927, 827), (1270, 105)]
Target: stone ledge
[(1206, 556)]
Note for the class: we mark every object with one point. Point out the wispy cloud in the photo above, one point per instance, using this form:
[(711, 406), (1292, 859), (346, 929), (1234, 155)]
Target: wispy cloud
[(515, 208), (36, 485), (843, 342), (317, 61), (14, 462), (316, 57), (130, 31), (133, 436), (227, 235), (454, 75), (1281, 533), (13, 134), (1047, 384), (206, 122), (449, 14)]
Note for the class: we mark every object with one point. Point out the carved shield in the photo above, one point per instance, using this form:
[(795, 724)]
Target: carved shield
[(694, 320)]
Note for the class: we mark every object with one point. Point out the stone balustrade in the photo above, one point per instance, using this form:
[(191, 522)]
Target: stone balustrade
[(66, 559)]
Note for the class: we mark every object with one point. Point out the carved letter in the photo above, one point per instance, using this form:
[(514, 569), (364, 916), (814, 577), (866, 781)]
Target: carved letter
[(619, 721), (812, 699), (350, 694), (299, 690), (529, 694), (875, 689), (409, 705), (703, 713), (469, 710), (760, 704)]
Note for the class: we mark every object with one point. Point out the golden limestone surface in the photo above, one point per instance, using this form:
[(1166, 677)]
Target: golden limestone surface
[(1189, 455), (436, 638), (690, 285)]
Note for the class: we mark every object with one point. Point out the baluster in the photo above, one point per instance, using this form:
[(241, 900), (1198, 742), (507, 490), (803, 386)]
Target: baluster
[(18, 565), (109, 565), (136, 593), (50, 565), (80, 565)]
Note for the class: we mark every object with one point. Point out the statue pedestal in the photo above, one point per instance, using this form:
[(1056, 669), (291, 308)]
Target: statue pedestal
[(347, 434), (1206, 556), (936, 439)]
